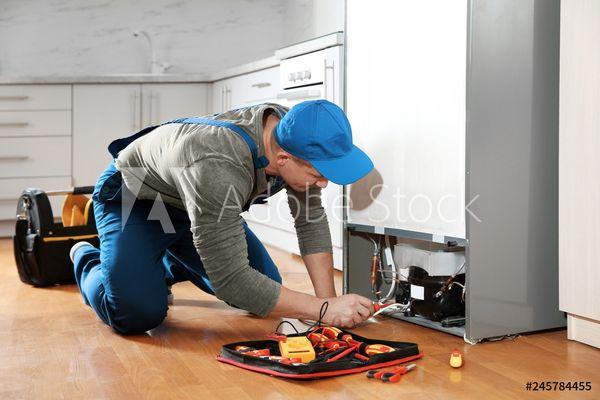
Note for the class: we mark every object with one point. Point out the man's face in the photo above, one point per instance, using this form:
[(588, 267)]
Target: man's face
[(298, 174)]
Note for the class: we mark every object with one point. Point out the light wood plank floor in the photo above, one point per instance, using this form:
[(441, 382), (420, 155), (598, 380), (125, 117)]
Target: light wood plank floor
[(52, 346)]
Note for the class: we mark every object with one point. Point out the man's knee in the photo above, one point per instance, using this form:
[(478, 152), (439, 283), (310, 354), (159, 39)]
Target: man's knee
[(139, 315)]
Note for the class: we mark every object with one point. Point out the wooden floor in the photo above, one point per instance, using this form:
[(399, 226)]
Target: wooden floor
[(52, 346)]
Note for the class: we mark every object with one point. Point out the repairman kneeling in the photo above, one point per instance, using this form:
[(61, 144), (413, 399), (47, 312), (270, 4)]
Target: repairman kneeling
[(168, 210)]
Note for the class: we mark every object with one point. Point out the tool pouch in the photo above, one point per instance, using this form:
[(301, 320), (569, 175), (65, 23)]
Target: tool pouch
[(403, 352)]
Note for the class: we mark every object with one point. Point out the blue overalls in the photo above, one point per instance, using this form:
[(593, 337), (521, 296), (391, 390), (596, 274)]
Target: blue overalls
[(125, 281)]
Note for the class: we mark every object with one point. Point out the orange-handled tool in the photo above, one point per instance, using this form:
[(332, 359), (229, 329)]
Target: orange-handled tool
[(396, 373), (250, 351)]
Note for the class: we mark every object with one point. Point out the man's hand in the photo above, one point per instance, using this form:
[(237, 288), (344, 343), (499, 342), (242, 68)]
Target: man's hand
[(344, 311), (348, 310)]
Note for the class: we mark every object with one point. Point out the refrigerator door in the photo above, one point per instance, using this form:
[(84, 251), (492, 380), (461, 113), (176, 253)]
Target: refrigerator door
[(406, 103)]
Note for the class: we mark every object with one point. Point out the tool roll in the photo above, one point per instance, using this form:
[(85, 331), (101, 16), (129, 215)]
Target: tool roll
[(265, 356), (41, 245)]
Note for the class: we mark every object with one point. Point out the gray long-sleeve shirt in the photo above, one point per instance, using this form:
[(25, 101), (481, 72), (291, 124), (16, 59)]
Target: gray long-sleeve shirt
[(208, 171)]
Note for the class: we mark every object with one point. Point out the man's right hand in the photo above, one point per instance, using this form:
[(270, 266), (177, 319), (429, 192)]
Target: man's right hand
[(348, 310)]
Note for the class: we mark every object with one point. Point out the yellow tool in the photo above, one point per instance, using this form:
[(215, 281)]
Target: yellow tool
[(297, 347), (455, 359)]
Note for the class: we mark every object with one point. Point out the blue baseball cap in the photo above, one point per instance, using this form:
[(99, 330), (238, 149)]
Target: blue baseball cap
[(319, 132)]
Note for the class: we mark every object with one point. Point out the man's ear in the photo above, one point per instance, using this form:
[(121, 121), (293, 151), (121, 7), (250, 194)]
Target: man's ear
[(282, 158)]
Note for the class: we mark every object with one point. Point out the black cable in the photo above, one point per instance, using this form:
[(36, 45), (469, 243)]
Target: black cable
[(322, 312), (289, 323)]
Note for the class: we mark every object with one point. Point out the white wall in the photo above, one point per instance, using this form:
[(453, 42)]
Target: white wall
[(306, 19), (40, 37)]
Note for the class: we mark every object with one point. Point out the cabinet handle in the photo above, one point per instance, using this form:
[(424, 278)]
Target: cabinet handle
[(325, 81), (14, 97), (154, 108), (222, 99), (261, 85), (136, 108), (227, 99), (13, 124), (150, 108), (133, 103), (14, 158)]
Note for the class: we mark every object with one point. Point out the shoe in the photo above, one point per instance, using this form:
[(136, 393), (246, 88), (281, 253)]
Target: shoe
[(169, 296), (76, 247)]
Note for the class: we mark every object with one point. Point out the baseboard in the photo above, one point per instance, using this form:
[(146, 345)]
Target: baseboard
[(583, 330)]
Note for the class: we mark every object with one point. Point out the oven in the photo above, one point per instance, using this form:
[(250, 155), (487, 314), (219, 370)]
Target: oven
[(314, 75)]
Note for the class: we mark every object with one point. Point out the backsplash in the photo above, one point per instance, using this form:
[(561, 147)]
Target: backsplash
[(72, 37)]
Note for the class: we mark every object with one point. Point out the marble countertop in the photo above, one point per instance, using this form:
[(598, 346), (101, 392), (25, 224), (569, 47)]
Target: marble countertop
[(142, 77)]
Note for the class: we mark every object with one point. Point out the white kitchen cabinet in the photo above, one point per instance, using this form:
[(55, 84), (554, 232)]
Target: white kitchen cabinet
[(245, 90), (35, 144), (162, 102), (104, 112), (579, 170), (101, 113)]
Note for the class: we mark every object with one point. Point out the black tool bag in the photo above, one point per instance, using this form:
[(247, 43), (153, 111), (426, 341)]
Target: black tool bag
[(41, 245)]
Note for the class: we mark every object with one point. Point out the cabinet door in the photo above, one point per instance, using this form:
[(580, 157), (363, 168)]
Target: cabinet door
[(219, 96), (101, 113), (162, 102), (253, 88)]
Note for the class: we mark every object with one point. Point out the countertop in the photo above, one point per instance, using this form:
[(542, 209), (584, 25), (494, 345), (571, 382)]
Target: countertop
[(141, 77)]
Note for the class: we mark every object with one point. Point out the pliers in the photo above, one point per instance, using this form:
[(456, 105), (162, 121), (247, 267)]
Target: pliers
[(393, 375)]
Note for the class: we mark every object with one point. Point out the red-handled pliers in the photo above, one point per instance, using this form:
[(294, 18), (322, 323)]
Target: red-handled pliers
[(393, 375)]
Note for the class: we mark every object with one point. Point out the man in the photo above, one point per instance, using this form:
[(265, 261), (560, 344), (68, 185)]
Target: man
[(168, 210)]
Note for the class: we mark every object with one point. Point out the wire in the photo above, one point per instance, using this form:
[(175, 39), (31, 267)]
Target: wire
[(318, 322), (375, 266), (390, 262), (289, 323), (448, 283), (322, 312), (464, 289), (375, 245), (402, 307), (460, 269), (456, 283)]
